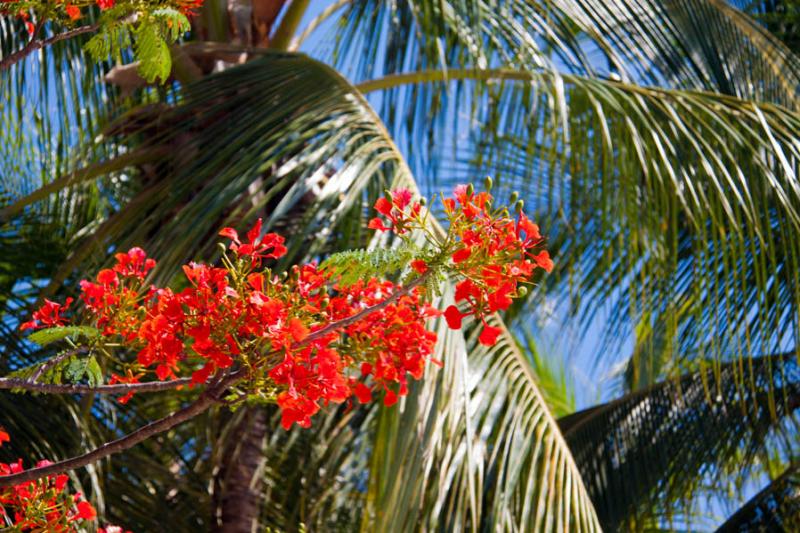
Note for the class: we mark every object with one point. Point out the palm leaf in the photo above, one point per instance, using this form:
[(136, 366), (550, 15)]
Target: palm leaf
[(676, 209), (285, 134), (657, 444), (775, 508)]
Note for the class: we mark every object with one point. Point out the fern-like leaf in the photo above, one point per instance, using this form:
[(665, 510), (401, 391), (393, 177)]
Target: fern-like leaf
[(354, 265), (43, 337)]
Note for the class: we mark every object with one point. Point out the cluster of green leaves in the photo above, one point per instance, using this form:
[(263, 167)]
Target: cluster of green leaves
[(67, 366), (353, 265), (150, 33)]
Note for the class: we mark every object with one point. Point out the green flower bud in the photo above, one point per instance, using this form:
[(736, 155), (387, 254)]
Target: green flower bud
[(522, 291), (520, 206), (470, 190), (514, 197), (487, 183), (423, 201)]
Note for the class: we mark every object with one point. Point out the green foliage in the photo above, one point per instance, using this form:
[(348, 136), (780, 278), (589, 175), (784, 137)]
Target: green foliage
[(151, 36), (65, 367), (84, 367), (43, 337), (110, 41), (354, 265)]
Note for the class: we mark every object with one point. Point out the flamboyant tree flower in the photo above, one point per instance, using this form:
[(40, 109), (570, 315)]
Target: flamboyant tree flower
[(277, 330), (41, 505), (315, 336)]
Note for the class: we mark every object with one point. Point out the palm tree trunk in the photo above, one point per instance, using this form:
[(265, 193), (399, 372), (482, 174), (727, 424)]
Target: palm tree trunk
[(237, 485)]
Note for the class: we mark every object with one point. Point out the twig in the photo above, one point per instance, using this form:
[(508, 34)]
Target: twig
[(120, 388), (333, 326), (206, 400), (50, 363), (36, 44)]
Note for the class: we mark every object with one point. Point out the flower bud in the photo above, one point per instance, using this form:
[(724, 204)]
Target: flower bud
[(423, 201), (487, 183), (522, 291), (222, 247), (520, 206), (513, 198), (470, 190)]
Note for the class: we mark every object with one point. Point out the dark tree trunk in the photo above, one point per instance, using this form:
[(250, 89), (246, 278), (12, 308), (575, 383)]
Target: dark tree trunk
[(238, 483)]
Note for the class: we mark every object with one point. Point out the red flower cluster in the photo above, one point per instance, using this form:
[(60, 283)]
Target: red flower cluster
[(491, 251), (240, 315), (41, 505), (48, 316), (296, 339)]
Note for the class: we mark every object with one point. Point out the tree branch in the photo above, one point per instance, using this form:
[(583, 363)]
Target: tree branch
[(343, 323), (52, 362), (206, 400), (120, 388), (36, 44)]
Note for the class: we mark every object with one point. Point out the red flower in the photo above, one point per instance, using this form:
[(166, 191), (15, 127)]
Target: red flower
[(48, 315), (73, 12), (543, 260), (461, 255), (390, 398), (105, 4), (362, 392), (256, 245), (135, 263), (419, 265), (489, 335), (377, 224), (383, 206), (453, 317), (297, 329), (401, 198), (86, 511), (4, 437)]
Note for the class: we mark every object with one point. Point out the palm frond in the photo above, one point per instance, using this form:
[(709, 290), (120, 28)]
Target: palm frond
[(285, 134), (675, 209), (698, 44), (775, 508), (653, 447)]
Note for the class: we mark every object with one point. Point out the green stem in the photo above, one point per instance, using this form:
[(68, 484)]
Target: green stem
[(429, 76), (433, 76), (291, 20)]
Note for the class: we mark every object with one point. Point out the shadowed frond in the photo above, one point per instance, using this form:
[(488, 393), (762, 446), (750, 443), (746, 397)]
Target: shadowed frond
[(653, 447), (776, 508)]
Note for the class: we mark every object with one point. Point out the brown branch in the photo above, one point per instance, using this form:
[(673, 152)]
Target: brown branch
[(36, 44), (120, 388), (333, 326), (54, 361), (206, 400)]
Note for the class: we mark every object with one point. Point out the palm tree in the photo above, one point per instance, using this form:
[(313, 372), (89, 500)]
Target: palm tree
[(656, 143)]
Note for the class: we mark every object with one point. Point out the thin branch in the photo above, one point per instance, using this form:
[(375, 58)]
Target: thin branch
[(206, 400), (120, 388), (50, 363), (36, 44), (333, 326)]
